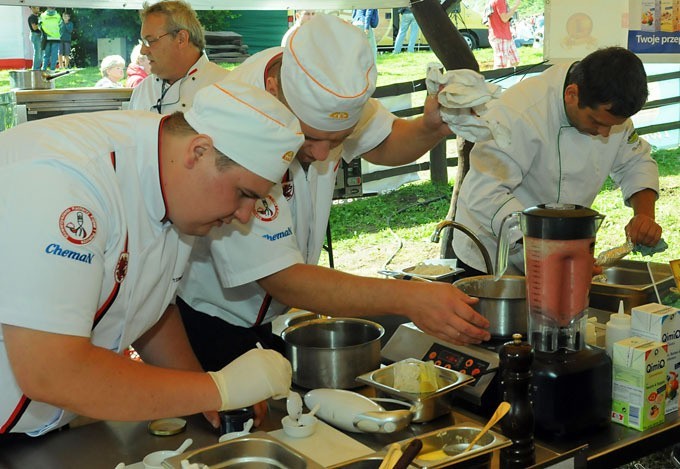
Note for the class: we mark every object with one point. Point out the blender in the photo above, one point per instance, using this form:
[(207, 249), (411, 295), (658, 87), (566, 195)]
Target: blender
[(571, 383)]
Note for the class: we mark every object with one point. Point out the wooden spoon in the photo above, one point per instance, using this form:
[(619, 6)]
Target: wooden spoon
[(502, 409)]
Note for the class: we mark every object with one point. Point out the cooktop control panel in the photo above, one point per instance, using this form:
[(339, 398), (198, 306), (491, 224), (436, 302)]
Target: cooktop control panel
[(466, 363)]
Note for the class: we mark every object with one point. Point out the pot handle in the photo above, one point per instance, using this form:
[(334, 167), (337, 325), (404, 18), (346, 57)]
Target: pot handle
[(49, 77)]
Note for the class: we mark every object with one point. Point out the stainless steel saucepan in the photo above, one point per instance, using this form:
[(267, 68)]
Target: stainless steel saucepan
[(34, 79)]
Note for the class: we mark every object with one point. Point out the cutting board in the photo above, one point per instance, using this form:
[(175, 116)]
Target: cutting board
[(327, 446)]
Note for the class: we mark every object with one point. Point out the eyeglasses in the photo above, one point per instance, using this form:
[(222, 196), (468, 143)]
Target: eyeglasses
[(150, 42)]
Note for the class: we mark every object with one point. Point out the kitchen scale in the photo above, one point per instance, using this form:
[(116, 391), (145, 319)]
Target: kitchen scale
[(480, 362)]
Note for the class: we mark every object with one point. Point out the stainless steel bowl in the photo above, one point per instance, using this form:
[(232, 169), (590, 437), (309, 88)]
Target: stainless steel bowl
[(331, 353), (502, 302)]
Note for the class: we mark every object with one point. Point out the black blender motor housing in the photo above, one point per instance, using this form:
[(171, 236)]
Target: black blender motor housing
[(570, 390)]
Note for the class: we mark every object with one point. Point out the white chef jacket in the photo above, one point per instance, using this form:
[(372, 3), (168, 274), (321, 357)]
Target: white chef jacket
[(84, 250), (180, 95), (289, 228), (548, 161)]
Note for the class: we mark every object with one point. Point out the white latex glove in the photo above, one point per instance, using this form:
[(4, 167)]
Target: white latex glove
[(255, 376)]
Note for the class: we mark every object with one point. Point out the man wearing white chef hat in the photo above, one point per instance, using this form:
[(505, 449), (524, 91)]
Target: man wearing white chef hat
[(326, 75), (96, 235)]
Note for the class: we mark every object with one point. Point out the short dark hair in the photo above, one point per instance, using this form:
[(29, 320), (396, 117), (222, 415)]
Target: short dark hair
[(613, 75)]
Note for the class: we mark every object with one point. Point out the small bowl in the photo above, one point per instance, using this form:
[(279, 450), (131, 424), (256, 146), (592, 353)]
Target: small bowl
[(155, 460), (306, 428)]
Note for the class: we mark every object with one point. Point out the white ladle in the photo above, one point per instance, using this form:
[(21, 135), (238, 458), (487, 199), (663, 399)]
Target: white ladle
[(314, 410), (183, 447), (294, 407)]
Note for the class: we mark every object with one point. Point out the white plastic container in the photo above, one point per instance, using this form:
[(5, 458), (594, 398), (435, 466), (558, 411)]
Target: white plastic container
[(618, 328)]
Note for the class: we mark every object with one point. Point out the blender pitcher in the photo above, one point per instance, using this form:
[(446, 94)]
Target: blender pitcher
[(559, 242)]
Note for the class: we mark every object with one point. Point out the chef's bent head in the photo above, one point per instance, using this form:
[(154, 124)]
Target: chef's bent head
[(328, 73)]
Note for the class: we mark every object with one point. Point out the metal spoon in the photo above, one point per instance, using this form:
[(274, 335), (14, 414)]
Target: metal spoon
[(294, 407), (500, 412)]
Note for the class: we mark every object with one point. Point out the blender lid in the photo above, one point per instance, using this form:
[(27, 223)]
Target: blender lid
[(560, 221)]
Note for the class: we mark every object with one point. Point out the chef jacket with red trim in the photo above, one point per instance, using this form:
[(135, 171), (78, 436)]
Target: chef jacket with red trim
[(84, 249)]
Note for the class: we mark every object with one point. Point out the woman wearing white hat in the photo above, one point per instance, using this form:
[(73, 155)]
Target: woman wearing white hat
[(97, 223), (326, 75)]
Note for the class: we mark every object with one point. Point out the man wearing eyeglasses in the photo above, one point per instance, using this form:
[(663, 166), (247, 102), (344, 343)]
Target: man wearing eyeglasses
[(173, 40)]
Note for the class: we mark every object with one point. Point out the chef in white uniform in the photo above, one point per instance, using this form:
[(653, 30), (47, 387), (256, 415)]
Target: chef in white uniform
[(97, 223), (243, 276), (173, 40), (570, 129)]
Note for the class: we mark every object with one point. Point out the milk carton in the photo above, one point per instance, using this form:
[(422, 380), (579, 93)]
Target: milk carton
[(662, 323), (639, 382)]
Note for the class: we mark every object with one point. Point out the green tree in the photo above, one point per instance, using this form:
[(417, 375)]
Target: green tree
[(92, 24)]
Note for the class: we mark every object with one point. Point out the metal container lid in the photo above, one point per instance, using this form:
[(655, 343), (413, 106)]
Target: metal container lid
[(167, 427), (560, 221)]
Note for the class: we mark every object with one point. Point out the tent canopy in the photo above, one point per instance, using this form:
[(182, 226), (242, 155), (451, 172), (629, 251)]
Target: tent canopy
[(222, 4)]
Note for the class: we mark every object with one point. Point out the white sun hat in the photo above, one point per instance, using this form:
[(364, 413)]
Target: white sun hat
[(328, 73), (248, 125)]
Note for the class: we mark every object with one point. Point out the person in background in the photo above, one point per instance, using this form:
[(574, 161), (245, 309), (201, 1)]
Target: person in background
[(407, 22), (49, 23), (36, 36), (112, 70), (174, 43), (243, 276), (139, 67), (98, 222), (500, 34), (366, 20), (571, 129), (65, 34), (301, 16)]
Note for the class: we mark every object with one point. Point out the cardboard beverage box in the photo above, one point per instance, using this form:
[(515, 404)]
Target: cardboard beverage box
[(662, 323), (666, 15), (650, 15), (639, 387)]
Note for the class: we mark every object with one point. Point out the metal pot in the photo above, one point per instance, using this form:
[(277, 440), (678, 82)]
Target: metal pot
[(502, 302), (33, 79), (331, 353)]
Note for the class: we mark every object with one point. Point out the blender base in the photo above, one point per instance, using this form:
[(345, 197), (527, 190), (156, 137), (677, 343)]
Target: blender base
[(571, 392)]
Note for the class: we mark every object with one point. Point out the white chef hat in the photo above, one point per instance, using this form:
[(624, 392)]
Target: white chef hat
[(248, 125), (328, 73)]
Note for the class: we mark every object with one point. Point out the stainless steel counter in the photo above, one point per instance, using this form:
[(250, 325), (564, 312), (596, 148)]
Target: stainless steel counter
[(105, 444)]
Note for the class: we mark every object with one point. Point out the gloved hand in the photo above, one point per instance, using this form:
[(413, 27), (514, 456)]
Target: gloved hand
[(255, 376)]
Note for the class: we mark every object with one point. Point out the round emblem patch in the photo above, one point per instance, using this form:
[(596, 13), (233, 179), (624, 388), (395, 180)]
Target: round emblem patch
[(266, 209), (77, 224)]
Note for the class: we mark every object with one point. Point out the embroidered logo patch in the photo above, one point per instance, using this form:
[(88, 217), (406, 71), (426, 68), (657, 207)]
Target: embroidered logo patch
[(339, 115), (122, 267), (77, 225), (633, 137), (266, 209), (288, 156)]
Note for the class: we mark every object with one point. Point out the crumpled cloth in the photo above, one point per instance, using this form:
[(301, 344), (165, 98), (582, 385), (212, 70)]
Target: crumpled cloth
[(661, 246), (463, 103)]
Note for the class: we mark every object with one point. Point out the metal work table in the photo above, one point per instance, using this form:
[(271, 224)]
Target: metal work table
[(104, 444)]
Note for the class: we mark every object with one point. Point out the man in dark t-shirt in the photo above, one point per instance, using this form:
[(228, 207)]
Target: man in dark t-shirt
[(36, 36)]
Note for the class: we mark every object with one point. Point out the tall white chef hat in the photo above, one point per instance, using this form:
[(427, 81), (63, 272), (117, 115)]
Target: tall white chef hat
[(328, 73), (248, 125)]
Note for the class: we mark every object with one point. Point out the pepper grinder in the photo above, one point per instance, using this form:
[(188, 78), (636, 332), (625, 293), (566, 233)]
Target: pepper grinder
[(516, 358)]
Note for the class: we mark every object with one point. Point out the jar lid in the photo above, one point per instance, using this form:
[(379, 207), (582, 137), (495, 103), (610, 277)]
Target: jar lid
[(167, 427), (560, 221)]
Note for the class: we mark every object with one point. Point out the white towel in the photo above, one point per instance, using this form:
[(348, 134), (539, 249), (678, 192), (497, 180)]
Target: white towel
[(463, 103)]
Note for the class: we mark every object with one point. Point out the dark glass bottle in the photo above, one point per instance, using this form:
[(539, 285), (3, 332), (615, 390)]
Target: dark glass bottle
[(516, 358)]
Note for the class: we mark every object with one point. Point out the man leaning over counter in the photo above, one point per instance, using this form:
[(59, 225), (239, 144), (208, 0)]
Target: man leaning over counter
[(96, 235), (245, 275), (571, 128)]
